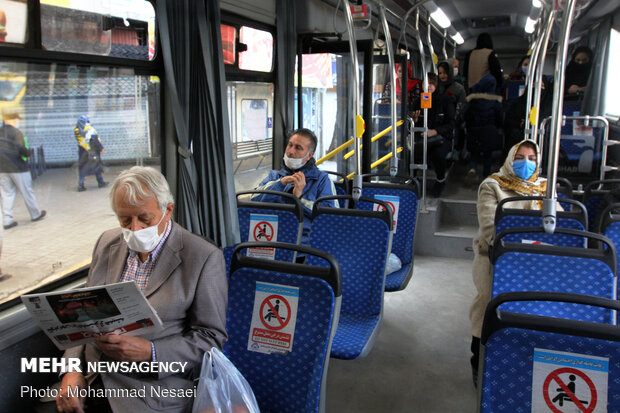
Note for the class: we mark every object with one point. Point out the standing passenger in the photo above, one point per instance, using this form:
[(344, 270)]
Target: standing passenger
[(578, 70), (483, 119), (14, 170), (518, 177), (90, 150), (448, 86), (483, 61)]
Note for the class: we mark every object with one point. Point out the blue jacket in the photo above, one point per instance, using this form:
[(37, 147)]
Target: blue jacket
[(318, 185)]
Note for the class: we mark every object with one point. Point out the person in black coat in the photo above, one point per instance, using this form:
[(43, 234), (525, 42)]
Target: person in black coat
[(440, 132), (578, 71), (483, 118)]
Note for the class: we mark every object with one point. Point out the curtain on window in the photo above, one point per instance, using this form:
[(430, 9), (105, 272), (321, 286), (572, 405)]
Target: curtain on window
[(195, 81), (594, 98), (284, 94)]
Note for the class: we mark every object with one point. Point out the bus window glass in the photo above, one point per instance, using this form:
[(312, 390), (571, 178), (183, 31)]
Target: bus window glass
[(250, 108), (13, 21), (229, 40), (259, 54), (123, 110), (612, 99), (327, 104), (118, 28)]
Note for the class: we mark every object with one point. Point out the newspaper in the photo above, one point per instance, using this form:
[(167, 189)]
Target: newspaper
[(74, 317)]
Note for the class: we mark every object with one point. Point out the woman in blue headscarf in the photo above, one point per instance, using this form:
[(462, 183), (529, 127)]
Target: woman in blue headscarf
[(90, 150)]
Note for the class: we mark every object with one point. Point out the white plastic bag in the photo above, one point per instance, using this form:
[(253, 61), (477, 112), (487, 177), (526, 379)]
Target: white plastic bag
[(394, 264), (222, 388)]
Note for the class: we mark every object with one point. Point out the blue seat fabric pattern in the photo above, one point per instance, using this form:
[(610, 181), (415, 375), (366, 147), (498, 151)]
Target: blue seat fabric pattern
[(509, 360), (519, 221), (516, 271), (402, 241), (282, 383), (592, 204), (360, 246)]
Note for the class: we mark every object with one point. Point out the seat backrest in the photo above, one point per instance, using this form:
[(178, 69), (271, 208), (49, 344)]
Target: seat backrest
[(531, 267), (506, 218), (360, 241), (593, 195), (404, 202), (535, 364), (281, 320), (270, 221)]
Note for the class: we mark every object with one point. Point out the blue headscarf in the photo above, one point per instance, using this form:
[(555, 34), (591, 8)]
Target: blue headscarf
[(81, 124)]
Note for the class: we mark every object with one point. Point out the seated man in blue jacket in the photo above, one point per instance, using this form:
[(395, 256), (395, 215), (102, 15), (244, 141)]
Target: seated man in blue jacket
[(299, 176)]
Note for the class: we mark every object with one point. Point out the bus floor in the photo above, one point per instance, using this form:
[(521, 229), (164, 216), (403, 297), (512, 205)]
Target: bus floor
[(420, 361)]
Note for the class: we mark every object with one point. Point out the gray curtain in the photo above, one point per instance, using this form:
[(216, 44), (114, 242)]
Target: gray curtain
[(284, 94), (594, 98), (190, 38)]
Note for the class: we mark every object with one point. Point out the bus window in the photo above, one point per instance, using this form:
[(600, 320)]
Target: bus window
[(13, 21), (259, 54), (123, 109), (612, 100), (101, 28)]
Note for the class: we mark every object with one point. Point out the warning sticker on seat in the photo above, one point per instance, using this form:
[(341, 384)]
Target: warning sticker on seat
[(263, 228), (393, 202), (569, 382), (273, 319)]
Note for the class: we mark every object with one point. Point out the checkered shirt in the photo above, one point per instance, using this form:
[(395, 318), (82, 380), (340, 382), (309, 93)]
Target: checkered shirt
[(140, 272)]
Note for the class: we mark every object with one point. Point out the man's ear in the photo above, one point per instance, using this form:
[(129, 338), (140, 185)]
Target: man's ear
[(170, 208)]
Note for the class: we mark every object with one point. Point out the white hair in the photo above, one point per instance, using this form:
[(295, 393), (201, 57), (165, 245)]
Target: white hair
[(140, 183)]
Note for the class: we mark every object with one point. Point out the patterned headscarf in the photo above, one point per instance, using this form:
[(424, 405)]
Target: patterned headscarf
[(534, 186)]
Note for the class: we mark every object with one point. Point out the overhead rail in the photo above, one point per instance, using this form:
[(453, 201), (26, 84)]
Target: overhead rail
[(549, 203), (587, 120), (350, 142)]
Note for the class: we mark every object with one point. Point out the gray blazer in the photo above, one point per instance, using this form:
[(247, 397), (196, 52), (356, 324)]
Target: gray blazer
[(189, 291)]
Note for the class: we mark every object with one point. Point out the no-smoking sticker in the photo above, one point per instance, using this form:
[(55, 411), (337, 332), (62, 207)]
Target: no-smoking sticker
[(263, 228), (273, 319), (569, 382), (393, 202)]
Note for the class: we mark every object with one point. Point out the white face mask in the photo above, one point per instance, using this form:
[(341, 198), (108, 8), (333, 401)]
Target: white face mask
[(294, 163), (143, 240), (455, 71)]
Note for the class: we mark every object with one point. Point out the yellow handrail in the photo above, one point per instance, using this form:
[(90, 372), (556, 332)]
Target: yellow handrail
[(350, 142), (378, 161), (374, 138)]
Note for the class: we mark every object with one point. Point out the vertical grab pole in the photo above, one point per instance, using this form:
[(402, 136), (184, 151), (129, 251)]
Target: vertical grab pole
[(531, 70), (547, 27), (425, 87), (443, 50), (549, 203), (358, 120), (430, 45), (390, 52)]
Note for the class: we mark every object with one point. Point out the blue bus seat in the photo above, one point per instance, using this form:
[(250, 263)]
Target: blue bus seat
[(520, 353), (532, 267), (290, 217), (609, 224), (404, 229), (360, 241), (292, 380), (576, 218), (593, 195)]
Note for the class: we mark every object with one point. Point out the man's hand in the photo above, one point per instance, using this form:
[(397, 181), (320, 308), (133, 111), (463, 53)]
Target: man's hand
[(432, 132), (124, 348), (66, 404), (298, 179), (574, 89)]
